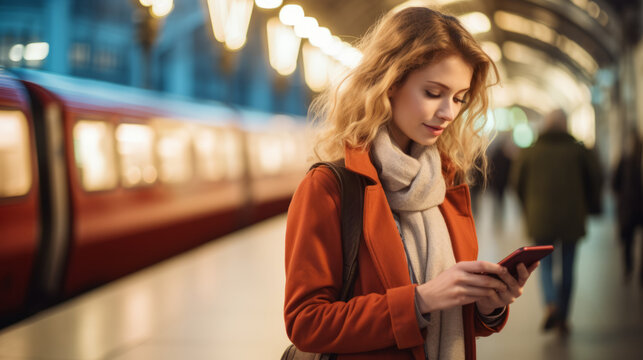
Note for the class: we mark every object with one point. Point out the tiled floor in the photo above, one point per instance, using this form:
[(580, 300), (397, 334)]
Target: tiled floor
[(224, 301)]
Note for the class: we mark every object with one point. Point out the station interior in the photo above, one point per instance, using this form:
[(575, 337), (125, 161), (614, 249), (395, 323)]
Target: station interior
[(149, 150)]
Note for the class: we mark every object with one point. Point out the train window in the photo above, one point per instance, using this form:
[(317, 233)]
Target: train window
[(233, 154), (254, 155), (174, 151), (15, 167), (94, 152), (269, 154), (211, 164), (135, 146), (289, 147)]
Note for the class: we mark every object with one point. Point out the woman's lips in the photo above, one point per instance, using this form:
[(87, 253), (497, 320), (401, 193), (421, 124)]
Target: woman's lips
[(435, 130)]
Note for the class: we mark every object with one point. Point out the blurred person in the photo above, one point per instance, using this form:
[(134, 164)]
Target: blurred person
[(477, 186), (499, 168), (405, 118), (558, 182), (628, 188)]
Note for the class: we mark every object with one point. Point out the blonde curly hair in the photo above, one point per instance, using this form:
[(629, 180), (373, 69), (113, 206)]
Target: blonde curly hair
[(352, 112)]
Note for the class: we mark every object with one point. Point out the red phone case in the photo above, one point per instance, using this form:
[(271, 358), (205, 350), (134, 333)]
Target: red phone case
[(527, 255)]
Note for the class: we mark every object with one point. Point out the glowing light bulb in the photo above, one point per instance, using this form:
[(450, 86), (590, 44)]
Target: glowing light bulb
[(268, 4), (291, 14)]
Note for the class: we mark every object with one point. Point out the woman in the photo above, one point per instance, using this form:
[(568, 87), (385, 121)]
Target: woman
[(404, 118)]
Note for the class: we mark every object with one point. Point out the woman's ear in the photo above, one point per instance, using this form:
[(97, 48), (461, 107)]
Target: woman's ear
[(391, 91)]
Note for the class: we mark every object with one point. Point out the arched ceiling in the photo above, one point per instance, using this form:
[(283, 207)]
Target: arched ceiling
[(573, 37), (601, 37)]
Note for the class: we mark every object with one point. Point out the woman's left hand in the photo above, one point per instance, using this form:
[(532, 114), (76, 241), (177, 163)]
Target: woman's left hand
[(503, 298)]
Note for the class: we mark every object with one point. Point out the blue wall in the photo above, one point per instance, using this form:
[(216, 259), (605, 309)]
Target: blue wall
[(100, 40)]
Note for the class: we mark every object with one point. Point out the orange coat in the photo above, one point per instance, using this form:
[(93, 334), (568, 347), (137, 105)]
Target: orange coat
[(379, 322)]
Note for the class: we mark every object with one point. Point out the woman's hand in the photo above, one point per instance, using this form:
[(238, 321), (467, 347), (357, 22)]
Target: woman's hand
[(500, 298), (462, 284)]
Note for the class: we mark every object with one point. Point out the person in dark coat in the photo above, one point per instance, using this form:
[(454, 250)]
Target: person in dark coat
[(628, 187), (557, 180), (499, 167)]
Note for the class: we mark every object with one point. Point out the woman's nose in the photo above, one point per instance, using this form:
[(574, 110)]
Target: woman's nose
[(447, 110)]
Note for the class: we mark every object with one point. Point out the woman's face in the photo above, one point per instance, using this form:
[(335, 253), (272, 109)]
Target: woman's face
[(428, 101)]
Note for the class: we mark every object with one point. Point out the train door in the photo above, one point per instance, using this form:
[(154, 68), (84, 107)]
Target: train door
[(19, 191)]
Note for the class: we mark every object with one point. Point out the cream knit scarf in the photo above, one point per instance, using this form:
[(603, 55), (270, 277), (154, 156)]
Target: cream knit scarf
[(414, 187)]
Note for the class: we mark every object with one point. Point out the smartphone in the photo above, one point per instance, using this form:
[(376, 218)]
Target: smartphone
[(527, 255)]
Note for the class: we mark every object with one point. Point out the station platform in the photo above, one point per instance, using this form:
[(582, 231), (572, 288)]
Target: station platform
[(224, 300)]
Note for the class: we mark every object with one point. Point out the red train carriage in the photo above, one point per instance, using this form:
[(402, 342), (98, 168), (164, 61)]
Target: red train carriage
[(131, 177), (142, 184), (19, 191), (277, 150)]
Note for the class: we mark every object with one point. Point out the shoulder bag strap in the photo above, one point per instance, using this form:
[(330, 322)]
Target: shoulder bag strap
[(351, 186)]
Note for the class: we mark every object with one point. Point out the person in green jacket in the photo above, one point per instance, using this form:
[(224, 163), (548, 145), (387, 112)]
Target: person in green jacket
[(558, 182)]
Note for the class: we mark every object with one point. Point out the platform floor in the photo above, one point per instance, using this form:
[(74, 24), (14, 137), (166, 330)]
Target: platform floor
[(224, 301)]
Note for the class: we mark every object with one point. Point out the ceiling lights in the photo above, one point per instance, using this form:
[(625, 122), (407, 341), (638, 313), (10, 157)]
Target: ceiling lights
[(283, 46), (230, 20), (268, 4), (475, 22), (325, 56)]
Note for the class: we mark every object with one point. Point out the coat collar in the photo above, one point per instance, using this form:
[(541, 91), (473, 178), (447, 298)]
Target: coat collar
[(359, 161)]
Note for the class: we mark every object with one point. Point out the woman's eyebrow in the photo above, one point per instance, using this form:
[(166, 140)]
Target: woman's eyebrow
[(444, 86)]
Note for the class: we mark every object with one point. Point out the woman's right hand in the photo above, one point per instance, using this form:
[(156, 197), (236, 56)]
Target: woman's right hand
[(461, 284)]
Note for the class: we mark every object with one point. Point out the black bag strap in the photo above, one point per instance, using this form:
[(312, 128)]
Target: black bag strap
[(351, 187)]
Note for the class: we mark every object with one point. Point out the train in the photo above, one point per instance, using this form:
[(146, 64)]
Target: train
[(99, 180)]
